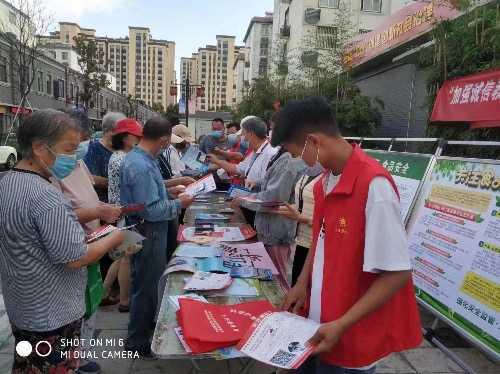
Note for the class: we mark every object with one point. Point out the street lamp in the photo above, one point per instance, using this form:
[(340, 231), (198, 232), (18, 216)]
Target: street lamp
[(186, 88)]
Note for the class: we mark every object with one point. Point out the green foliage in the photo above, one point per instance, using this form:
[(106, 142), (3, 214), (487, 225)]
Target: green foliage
[(158, 107), (94, 77), (463, 46), (357, 115), (172, 111)]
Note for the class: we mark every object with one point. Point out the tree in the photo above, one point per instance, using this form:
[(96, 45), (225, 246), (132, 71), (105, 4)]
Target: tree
[(19, 31), (93, 71), (466, 45), (172, 110), (158, 107)]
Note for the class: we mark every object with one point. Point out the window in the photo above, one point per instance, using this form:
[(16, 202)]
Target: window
[(326, 37), (3, 69), (12, 17), (371, 5), (64, 55), (39, 82), (67, 38), (329, 3)]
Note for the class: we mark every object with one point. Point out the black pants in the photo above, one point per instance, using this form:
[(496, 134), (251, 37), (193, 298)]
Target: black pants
[(298, 262), (249, 216)]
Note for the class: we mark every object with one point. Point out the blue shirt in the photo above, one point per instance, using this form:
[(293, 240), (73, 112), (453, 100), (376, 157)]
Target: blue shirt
[(141, 183), (97, 160)]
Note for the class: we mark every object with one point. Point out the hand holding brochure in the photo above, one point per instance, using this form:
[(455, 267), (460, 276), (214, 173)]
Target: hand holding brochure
[(279, 339), (203, 185)]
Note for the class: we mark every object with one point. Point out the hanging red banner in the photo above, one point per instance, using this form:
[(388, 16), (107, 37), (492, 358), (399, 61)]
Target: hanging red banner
[(474, 99), (173, 91), (18, 110), (200, 91)]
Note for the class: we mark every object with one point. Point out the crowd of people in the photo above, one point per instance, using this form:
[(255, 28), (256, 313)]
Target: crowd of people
[(336, 236)]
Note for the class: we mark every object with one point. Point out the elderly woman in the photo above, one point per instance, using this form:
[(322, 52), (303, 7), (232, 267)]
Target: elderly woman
[(43, 252)]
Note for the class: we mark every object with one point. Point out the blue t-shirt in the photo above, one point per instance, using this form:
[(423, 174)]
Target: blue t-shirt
[(97, 161)]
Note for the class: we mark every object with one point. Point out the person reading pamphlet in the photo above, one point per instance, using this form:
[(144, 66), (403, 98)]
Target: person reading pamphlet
[(356, 280)]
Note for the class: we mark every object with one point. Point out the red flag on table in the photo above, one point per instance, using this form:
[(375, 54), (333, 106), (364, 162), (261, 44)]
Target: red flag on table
[(207, 327)]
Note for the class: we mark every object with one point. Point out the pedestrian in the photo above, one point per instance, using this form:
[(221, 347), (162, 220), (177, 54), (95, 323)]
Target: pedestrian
[(126, 135), (43, 250), (215, 138), (356, 280), (99, 153), (232, 128), (141, 183), (78, 188)]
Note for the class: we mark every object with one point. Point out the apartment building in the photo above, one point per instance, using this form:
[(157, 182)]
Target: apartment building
[(189, 71), (258, 41), (214, 71), (241, 74), (143, 66), (303, 29)]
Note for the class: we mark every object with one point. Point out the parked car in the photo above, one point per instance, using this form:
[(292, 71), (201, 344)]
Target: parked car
[(8, 156)]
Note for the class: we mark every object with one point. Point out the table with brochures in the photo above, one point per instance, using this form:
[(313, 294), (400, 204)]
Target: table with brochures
[(165, 343)]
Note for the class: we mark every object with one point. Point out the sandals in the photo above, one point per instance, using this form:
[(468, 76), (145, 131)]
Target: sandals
[(123, 308)]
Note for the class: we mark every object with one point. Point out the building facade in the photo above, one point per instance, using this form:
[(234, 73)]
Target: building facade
[(188, 75), (142, 66), (258, 42), (309, 27), (212, 68)]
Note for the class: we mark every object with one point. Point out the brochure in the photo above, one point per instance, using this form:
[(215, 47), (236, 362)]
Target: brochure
[(197, 251), (223, 234), (174, 299), (252, 255), (217, 326), (240, 288), (203, 185), (238, 191), (204, 281), (279, 339), (194, 159), (250, 272), (211, 217)]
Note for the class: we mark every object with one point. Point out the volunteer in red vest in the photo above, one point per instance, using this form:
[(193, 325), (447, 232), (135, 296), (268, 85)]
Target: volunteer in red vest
[(357, 277)]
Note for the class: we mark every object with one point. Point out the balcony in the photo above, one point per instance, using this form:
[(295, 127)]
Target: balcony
[(285, 31), (309, 59)]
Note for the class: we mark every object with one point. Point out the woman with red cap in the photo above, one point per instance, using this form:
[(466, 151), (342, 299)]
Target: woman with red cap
[(126, 135)]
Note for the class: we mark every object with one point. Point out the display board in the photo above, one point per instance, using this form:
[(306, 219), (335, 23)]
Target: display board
[(454, 241), (408, 171)]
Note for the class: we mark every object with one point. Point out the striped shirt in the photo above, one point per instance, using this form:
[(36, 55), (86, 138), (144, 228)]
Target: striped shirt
[(39, 233)]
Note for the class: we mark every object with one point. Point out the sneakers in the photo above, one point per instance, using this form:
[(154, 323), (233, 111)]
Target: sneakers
[(90, 367)]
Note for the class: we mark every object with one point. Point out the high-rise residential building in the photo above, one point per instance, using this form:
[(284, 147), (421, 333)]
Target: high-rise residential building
[(213, 69), (241, 74), (298, 24), (189, 75), (258, 41), (143, 66)]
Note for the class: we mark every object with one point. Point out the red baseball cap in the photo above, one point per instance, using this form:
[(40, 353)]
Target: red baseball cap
[(129, 126)]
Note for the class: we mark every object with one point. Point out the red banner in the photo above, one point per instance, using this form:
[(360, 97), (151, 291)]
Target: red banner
[(173, 91), (407, 24), (474, 98)]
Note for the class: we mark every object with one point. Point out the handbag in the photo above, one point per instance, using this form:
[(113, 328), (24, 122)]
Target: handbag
[(94, 290)]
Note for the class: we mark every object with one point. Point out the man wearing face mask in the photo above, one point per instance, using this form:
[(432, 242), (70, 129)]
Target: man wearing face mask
[(302, 210), (141, 183), (215, 138), (356, 280)]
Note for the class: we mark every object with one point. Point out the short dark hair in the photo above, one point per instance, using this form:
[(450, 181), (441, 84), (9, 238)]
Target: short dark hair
[(117, 141), (81, 118), (174, 120), (46, 125), (233, 124), (218, 120), (298, 118), (156, 127)]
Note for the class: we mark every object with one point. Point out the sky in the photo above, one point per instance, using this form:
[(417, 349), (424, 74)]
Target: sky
[(190, 23)]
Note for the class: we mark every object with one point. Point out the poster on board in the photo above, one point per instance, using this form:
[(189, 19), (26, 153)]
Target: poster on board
[(408, 170), (454, 241)]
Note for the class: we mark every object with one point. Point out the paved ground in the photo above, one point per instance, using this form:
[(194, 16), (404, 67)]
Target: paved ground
[(111, 324)]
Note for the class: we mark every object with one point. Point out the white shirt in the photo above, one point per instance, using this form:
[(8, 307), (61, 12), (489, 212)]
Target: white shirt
[(386, 246), (254, 166), (174, 159)]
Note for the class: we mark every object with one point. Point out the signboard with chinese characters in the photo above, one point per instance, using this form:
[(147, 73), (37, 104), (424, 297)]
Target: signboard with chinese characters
[(408, 170), (406, 24), (454, 241), (474, 98)]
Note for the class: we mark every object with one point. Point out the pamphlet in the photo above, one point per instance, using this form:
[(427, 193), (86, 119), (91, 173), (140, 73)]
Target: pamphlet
[(238, 191), (203, 185), (221, 353), (211, 217), (250, 272), (181, 264), (208, 327), (279, 339), (194, 159), (130, 245), (204, 281), (198, 251), (239, 287), (104, 231), (252, 255), (223, 234)]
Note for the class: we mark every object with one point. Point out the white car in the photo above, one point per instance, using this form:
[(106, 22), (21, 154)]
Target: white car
[(8, 156)]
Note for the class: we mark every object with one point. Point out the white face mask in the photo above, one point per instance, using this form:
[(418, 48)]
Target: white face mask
[(299, 166)]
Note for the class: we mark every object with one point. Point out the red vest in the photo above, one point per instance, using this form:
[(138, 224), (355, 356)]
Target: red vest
[(396, 325)]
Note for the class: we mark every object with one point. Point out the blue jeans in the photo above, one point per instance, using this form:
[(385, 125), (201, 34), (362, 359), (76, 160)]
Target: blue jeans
[(147, 267), (314, 366)]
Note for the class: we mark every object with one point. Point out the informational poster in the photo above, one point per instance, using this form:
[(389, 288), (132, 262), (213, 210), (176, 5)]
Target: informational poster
[(454, 239), (407, 170)]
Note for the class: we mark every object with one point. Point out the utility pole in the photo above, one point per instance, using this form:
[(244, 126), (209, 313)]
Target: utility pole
[(188, 92)]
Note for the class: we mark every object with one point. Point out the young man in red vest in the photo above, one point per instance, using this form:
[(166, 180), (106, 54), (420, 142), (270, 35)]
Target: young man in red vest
[(357, 278)]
